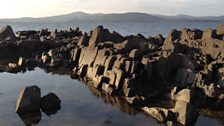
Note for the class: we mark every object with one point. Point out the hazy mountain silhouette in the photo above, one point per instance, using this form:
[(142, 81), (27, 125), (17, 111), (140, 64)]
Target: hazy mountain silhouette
[(119, 17)]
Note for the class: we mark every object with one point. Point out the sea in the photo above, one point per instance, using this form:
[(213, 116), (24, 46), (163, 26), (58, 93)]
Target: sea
[(82, 105), (124, 28)]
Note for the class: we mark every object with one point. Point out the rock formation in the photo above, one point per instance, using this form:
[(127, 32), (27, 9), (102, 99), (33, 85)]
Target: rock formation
[(186, 67)]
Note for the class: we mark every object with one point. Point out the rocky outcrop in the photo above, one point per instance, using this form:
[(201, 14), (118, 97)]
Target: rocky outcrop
[(6, 33), (186, 67)]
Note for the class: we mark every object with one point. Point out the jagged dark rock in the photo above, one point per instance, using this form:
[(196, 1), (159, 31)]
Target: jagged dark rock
[(29, 100), (187, 65), (6, 33)]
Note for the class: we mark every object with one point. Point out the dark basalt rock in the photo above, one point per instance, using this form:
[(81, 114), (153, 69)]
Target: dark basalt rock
[(187, 66), (6, 33), (50, 103), (29, 100)]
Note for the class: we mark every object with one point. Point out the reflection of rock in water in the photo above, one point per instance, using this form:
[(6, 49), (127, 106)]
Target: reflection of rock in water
[(118, 102), (58, 71), (31, 118), (219, 115)]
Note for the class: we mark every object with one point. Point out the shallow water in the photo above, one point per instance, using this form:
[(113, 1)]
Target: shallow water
[(124, 28), (81, 105)]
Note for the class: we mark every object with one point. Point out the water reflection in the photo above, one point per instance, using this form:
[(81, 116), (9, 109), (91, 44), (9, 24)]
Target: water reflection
[(116, 101), (218, 115), (30, 119), (81, 105), (49, 112)]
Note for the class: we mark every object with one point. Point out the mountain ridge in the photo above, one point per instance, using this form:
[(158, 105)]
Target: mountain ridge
[(114, 17)]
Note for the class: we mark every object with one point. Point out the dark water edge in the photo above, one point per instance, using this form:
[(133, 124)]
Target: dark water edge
[(81, 104), (124, 28)]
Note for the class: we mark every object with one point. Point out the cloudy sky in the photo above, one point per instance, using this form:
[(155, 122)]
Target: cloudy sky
[(40, 8)]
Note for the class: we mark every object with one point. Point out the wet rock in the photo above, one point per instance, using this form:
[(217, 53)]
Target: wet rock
[(29, 100), (160, 114), (129, 87), (183, 95), (185, 113), (14, 68), (136, 100), (6, 33), (111, 75), (50, 103), (109, 89)]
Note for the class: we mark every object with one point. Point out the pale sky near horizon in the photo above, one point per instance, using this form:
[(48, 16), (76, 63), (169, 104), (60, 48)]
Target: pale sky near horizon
[(42, 8)]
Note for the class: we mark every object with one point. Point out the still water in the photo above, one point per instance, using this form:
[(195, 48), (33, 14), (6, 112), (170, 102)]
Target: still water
[(124, 28), (81, 105)]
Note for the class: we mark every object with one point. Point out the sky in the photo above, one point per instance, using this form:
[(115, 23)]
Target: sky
[(43, 8)]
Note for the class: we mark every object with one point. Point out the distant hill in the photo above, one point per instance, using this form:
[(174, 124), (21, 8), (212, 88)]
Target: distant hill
[(121, 17)]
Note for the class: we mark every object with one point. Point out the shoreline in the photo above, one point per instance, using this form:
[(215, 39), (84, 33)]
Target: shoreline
[(186, 67)]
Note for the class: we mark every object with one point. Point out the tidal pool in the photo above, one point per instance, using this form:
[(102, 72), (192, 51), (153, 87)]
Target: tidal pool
[(81, 105)]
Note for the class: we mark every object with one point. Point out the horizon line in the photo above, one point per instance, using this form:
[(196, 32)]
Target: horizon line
[(156, 14)]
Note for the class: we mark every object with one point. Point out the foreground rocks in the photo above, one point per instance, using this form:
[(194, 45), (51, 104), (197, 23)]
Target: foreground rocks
[(186, 67), (30, 102)]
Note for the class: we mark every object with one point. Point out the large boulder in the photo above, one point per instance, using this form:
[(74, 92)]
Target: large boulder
[(29, 100), (168, 43), (7, 33), (99, 34), (185, 113), (183, 95)]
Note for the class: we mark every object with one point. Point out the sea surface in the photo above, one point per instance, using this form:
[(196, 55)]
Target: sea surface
[(82, 105), (124, 28)]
